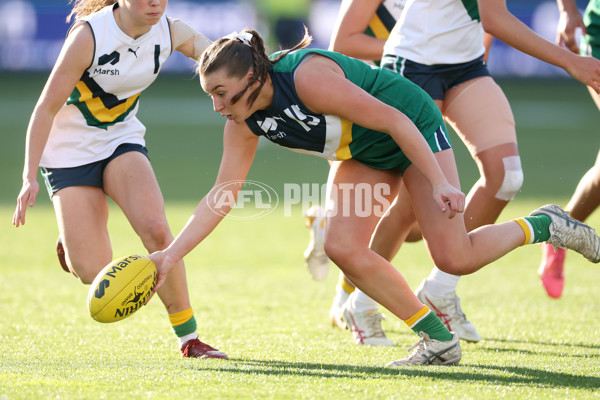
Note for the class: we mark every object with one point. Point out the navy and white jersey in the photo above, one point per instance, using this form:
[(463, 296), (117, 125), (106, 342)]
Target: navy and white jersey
[(437, 32), (289, 123), (101, 112)]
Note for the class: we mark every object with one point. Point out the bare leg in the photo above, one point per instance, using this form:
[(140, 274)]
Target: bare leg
[(82, 216), (453, 249), (586, 198), (347, 244), (143, 206)]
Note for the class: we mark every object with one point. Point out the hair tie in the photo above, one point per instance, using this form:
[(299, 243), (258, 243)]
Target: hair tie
[(244, 37)]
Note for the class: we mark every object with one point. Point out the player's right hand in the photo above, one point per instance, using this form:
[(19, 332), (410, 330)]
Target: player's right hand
[(164, 264), (26, 198), (585, 69)]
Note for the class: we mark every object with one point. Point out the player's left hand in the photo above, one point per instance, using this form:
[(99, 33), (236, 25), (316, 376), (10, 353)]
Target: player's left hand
[(449, 198), (569, 31), (585, 69)]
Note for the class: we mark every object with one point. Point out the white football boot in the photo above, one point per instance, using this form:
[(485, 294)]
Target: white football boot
[(568, 233), (432, 352), (335, 312), (448, 310), (315, 258), (365, 325)]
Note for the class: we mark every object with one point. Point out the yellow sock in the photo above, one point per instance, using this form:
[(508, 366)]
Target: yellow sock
[(183, 322), (345, 284)]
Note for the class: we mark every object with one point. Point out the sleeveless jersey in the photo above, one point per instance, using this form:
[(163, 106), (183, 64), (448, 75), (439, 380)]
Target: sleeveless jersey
[(437, 32), (289, 123), (101, 112), (385, 18)]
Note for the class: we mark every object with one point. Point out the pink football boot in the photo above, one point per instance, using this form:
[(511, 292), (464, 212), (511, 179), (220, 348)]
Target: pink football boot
[(551, 270)]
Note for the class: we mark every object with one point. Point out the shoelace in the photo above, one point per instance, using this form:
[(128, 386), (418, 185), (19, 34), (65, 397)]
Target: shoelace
[(419, 346), (374, 324), (458, 309)]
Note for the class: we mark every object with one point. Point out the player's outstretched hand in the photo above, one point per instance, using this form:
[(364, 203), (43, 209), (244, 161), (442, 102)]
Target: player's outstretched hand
[(449, 198), (164, 263), (26, 198)]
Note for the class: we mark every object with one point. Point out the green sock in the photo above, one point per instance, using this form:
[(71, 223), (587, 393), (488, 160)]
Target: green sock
[(183, 322), (536, 228), (431, 325)]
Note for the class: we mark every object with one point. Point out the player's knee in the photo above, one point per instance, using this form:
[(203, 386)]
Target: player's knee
[(513, 178), (155, 234), (453, 267), (339, 251), (452, 262), (86, 270), (86, 278)]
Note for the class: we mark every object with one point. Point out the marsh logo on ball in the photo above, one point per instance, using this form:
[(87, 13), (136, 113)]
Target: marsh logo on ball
[(258, 197), (105, 283), (99, 293)]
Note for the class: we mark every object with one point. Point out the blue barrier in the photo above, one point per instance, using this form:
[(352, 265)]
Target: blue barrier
[(32, 31)]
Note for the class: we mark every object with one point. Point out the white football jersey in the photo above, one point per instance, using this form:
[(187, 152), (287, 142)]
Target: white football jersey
[(101, 112), (437, 32)]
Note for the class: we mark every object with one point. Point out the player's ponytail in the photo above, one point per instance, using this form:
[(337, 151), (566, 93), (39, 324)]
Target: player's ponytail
[(241, 52), (81, 8)]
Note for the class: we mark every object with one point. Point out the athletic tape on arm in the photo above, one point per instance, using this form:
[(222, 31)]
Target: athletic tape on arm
[(182, 32)]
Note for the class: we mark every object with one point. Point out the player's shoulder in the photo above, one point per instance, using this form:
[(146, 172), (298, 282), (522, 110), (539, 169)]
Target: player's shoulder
[(81, 31)]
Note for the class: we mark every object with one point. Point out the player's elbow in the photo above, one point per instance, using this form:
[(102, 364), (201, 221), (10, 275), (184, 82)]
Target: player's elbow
[(492, 20)]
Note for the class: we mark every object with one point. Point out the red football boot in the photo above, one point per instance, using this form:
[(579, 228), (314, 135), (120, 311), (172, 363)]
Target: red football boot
[(60, 251), (197, 349)]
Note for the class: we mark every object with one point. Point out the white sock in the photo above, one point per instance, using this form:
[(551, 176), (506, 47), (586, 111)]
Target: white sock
[(440, 283), (189, 336), (360, 302), (340, 295)]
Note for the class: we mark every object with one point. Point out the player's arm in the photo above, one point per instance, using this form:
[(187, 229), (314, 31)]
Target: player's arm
[(187, 40), (239, 148), (568, 22), (487, 44), (322, 87), (500, 23), (349, 35), (74, 58)]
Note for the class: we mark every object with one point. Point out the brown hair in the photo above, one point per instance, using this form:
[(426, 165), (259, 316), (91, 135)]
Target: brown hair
[(81, 8), (238, 58)]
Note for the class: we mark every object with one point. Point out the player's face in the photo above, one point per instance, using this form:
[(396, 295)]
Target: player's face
[(222, 88), (145, 12)]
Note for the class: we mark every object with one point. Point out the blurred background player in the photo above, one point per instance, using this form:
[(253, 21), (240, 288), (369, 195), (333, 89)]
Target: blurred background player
[(285, 19), (450, 67), (85, 136), (586, 198)]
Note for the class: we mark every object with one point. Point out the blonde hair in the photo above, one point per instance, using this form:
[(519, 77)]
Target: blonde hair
[(238, 58), (81, 8)]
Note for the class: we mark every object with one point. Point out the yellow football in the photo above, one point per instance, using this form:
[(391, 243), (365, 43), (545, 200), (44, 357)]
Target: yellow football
[(121, 288)]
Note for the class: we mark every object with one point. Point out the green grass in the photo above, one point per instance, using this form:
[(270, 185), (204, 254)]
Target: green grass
[(253, 298)]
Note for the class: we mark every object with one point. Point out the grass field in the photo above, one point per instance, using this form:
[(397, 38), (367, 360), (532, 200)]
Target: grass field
[(254, 300)]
